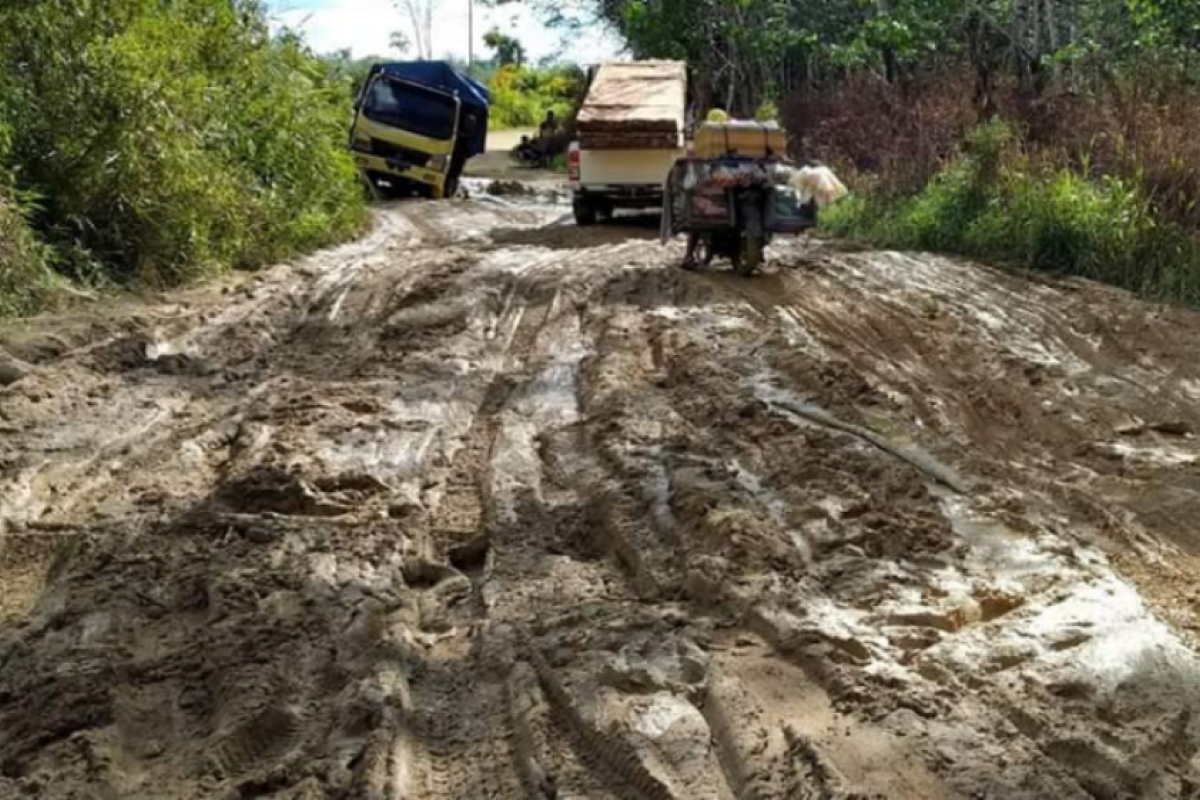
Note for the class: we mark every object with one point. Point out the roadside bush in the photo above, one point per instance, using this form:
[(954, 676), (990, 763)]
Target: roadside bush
[(167, 141), (1100, 182), (27, 284), (898, 135), (996, 202), (521, 96)]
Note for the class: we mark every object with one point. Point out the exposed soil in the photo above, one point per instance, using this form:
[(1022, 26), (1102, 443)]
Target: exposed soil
[(486, 505)]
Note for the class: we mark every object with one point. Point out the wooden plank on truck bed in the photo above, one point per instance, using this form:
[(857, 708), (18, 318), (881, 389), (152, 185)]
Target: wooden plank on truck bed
[(644, 96), (635, 140)]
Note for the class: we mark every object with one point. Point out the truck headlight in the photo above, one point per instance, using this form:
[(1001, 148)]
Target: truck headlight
[(362, 143), (438, 163)]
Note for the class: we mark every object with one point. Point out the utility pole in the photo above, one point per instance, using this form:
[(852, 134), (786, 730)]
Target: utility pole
[(470, 33)]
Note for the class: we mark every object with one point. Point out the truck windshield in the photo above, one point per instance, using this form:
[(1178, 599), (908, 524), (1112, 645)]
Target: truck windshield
[(411, 108)]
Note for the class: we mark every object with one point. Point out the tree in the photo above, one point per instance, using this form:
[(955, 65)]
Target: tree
[(399, 41), (420, 18), (509, 51)]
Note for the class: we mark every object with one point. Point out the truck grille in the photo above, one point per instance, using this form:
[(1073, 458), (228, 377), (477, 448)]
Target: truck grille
[(391, 151)]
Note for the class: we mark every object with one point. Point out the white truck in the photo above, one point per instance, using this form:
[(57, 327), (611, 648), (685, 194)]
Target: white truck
[(630, 132)]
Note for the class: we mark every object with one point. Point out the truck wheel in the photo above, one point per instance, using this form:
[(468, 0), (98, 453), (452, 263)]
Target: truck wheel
[(381, 187), (585, 211)]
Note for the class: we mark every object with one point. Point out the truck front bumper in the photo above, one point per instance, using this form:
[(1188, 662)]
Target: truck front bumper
[(395, 169)]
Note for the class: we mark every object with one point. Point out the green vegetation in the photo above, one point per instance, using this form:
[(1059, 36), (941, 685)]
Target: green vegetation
[(521, 96), (27, 283), (993, 202), (1095, 170), (162, 142), (342, 68), (509, 51)]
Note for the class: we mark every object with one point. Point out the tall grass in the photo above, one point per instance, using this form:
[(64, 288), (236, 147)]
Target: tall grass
[(995, 202), (27, 283), (167, 141), (1099, 180)]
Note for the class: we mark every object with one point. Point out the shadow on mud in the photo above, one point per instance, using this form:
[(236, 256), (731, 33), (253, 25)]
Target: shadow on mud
[(566, 235)]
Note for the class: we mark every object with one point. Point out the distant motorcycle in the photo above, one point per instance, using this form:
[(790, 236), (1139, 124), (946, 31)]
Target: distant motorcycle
[(529, 154)]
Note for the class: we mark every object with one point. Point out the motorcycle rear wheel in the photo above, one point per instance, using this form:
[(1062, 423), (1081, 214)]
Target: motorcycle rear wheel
[(749, 258)]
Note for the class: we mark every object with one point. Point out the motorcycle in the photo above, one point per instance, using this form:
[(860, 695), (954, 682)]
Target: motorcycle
[(731, 208), (744, 242)]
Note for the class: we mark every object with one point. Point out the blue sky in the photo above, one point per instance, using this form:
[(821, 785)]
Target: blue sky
[(365, 25)]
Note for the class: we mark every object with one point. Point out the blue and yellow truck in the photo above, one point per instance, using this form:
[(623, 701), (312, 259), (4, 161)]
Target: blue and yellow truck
[(416, 124)]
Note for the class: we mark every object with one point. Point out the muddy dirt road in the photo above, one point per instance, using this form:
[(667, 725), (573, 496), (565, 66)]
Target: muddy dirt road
[(488, 506)]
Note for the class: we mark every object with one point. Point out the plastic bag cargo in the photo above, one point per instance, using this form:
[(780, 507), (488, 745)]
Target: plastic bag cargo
[(820, 184)]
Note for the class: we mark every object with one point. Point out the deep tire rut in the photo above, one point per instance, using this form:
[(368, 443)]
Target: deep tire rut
[(477, 509)]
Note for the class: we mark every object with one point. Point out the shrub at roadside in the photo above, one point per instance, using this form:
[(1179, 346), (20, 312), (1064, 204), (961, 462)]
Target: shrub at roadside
[(995, 202), (27, 283), (167, 141), (898, 134), (521, 96)]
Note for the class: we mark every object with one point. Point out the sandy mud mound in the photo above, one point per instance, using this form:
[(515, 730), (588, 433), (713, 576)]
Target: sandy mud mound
[(486, 506)]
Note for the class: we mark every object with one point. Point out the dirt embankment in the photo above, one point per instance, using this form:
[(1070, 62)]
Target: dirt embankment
[(490, 506)]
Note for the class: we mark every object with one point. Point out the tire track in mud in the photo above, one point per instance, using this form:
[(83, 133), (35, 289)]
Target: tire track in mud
[(515, 523), (551, 749), (462, 748), (263, 722), (938, 633), (465, 740), (773, 306), (461, 514), (46, 506), (73, 481), (800, 765)]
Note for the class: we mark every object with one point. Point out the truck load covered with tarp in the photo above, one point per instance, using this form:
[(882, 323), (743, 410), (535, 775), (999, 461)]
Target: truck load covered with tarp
[(634, 105), (630, 131), (416, 124)]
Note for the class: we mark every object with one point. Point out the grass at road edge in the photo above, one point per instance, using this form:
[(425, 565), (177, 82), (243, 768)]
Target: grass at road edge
[(994, 203)]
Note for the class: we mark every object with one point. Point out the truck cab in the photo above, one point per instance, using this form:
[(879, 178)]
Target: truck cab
[(415, 126)]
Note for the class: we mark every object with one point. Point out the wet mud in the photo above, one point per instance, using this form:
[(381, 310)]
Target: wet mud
[(488, 506)]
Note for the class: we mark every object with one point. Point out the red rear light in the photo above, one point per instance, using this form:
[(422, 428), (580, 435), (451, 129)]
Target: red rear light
[(573, 159)]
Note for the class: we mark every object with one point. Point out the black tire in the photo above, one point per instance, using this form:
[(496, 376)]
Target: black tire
[(699, 252), (749, 257), (605, 212), (381, 187), (585, 211), (390, 191)]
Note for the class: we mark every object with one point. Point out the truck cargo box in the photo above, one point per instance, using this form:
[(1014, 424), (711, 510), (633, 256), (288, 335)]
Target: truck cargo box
[(635, 105)]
